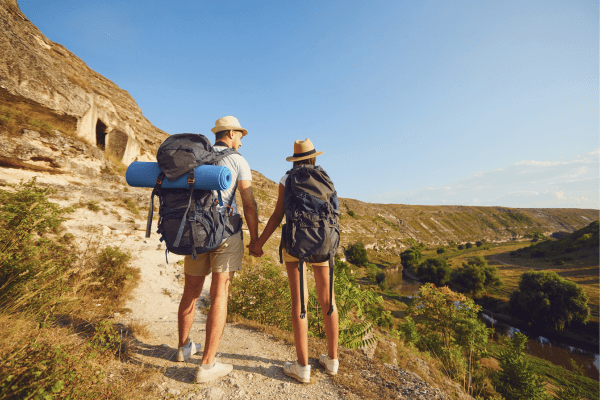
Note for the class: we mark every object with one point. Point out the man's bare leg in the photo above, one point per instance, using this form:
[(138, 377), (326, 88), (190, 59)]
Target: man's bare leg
[(215, 322), (187, 306)]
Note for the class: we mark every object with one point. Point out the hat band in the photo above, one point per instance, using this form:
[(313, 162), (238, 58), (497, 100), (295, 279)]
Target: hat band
[(306, 153)]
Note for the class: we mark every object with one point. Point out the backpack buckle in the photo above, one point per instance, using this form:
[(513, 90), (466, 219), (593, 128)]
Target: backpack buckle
[(230, 210), (191, 180), (159, 180)]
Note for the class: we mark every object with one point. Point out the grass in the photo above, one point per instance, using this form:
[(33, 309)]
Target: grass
[(55, 341)]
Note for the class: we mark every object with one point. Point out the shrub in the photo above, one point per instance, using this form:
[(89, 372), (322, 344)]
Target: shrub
[(352, 213), (468, 245), (544, 298), (460, 247), (434, 270), (440, 250), (450, 330), (357, 254), (474, 276), (479, 243), (410, 257), (516, 379)]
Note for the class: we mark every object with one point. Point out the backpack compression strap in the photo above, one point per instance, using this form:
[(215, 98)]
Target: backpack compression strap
[(331, 264), (301, 264), (191, 180), (157, 191)]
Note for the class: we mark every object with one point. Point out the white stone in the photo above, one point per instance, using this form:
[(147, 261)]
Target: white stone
[(214, 393)]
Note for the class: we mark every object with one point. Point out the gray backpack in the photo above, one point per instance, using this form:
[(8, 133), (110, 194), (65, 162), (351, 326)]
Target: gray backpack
[(189, 223), (312, 231)]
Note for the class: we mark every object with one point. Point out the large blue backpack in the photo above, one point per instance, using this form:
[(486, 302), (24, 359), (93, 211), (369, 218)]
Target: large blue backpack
[(189, 223), (312, 231)]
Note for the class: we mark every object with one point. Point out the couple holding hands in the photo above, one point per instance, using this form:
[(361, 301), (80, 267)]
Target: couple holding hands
[(224, 261)]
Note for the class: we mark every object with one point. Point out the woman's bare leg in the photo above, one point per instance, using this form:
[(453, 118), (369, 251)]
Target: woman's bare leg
[(299, 325), (331, 321)]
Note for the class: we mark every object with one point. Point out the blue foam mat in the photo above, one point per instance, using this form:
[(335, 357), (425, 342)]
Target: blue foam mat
[(144, 174)]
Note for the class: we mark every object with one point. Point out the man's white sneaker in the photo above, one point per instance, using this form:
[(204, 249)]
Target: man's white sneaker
[(218, 370), (330, 365), (185, 352), (297, 371)]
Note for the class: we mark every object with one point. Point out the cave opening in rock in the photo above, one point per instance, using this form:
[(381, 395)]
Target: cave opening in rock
[(101, 135)]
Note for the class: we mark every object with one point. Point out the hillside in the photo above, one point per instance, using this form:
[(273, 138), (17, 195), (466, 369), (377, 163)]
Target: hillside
[(389, 228)]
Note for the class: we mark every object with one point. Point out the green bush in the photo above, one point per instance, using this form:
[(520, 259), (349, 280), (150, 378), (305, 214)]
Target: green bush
[(357, 254), (460, 247), (546, 299), (440, 250), (516, 379), (434, 270), (263, 295), (410, 257), (468, 245), (44, 277), (474, 277), (449, 329), (352, 213)]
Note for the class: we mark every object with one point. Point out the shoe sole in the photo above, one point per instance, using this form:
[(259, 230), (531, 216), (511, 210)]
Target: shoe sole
[(327, 369), (212, 377), (298, 378)]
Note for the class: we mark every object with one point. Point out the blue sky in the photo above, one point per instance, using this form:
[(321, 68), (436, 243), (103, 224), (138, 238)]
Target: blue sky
[(469, 102)]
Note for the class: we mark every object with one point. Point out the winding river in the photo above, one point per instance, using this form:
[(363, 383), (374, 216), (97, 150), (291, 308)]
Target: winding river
[(556, 353)]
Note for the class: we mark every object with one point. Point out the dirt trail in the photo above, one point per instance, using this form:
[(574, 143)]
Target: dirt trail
[(257, 358)]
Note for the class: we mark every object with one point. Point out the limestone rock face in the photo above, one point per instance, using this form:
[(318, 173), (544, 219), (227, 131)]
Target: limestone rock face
[(37, 70)]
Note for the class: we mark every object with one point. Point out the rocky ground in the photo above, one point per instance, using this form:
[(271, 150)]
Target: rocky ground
[(257, 357)]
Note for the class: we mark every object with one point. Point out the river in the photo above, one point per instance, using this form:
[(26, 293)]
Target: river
[(556, 353)]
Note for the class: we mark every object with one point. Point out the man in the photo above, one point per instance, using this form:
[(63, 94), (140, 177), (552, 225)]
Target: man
[(222, 262)]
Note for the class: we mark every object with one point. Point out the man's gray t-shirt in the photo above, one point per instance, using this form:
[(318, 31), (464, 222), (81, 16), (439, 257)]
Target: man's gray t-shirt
[(240, 171)]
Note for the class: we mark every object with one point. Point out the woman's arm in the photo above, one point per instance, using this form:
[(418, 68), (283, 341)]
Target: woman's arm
[(274, 220)]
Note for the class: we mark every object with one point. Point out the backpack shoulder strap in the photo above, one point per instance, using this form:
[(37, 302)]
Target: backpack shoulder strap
[(222, 154)]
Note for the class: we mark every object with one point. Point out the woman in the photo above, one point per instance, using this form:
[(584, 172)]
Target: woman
[(304, 153)]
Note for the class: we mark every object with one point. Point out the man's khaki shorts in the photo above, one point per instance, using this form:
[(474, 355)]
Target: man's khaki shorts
[(225, 258), (288, 258)]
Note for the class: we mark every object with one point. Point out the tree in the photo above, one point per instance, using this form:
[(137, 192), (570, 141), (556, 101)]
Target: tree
[(468, 245), (410, 257), (434, 270), (479, 243), (547, 299), (516, 380), (357, 254), (474, 276), (449, 329)]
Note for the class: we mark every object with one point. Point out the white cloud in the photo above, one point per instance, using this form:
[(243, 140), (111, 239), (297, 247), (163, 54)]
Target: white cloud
[(527, 184)]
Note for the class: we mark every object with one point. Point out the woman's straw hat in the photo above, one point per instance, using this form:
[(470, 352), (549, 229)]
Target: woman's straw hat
[(304, 149), (228, 123)]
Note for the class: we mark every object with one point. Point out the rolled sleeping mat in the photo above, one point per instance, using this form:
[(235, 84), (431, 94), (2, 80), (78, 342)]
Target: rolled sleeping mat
[(208, 177)]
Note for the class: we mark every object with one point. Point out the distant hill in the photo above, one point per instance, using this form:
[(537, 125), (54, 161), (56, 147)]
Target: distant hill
[(390, 228)]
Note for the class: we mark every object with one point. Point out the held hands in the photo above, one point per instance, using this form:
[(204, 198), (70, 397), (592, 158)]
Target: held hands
[(255, 250)]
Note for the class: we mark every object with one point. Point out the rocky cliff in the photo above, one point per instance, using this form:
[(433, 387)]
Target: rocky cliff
[(61, 89)]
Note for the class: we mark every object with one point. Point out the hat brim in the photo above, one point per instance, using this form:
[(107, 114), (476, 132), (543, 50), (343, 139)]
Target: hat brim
[(229, 128), (292, 158)]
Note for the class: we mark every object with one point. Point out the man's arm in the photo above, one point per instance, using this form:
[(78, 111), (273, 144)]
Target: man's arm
[(250, 208)]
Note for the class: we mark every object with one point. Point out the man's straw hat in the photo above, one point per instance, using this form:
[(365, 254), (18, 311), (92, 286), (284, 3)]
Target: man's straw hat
[(304, 149), (228, 123)]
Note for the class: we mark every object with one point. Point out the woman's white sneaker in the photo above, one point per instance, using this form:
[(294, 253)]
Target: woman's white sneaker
[(297, 371), (330, 365), (185, 352), (204, 374)]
